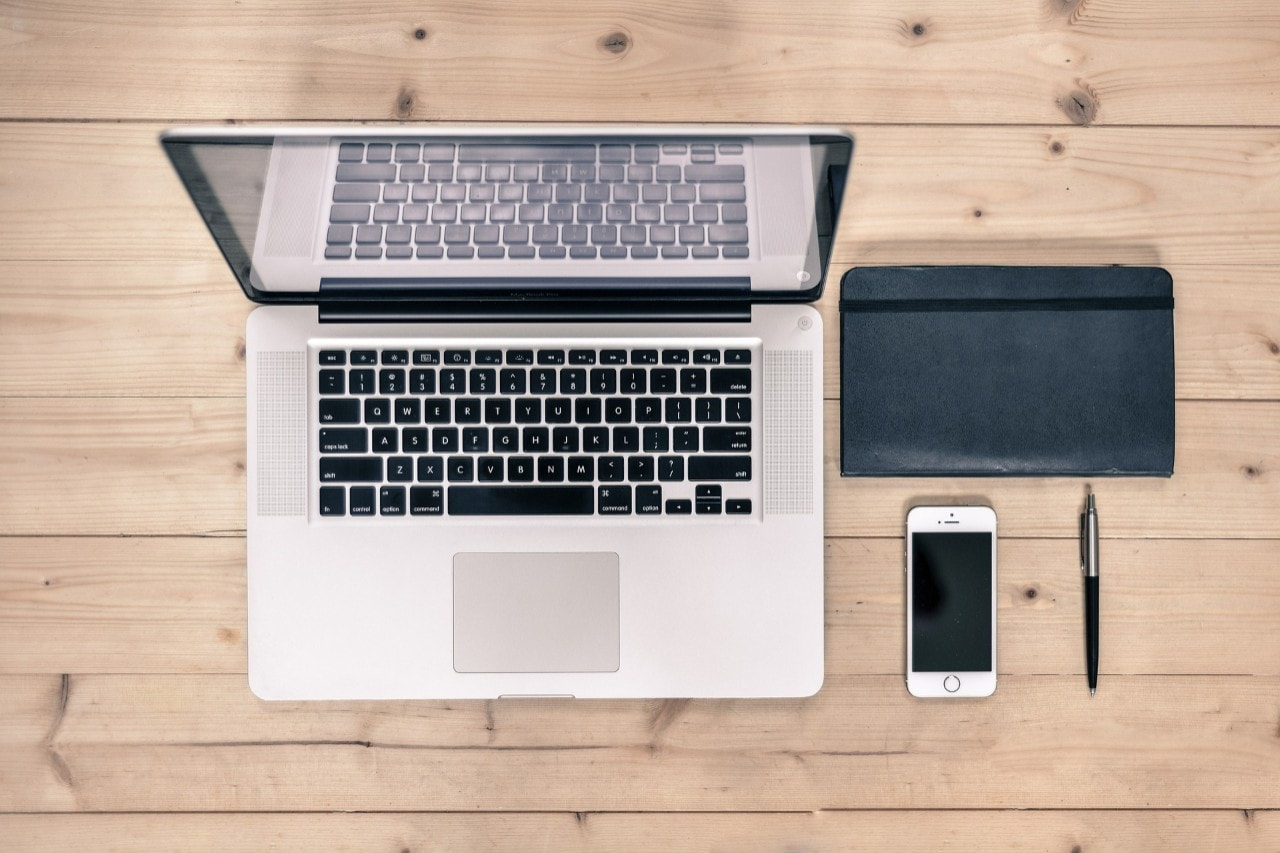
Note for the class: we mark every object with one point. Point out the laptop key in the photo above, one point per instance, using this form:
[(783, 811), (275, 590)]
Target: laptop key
[(489, 469), (344, 440), (521, 500), (363, 500), (648, 500), (430, 469), (739, 506), (671, 469), (391, 500), (615, 500), (731, 381), (710, 468), (333, 500), (679, 507), (726, 439), (351, 469), (737, 410), (333, 356), (339, 411), (332, 382), (426, 500)]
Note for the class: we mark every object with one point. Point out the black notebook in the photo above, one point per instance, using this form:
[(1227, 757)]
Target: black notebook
[(1006, 371)]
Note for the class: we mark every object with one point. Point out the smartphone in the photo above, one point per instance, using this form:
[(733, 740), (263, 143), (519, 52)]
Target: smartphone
[(951, 601)]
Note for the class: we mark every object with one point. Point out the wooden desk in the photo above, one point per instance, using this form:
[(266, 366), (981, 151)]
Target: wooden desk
[(989, 131)]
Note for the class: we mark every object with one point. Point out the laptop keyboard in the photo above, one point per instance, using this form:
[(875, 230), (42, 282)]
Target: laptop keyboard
[(493, 200), (589, 431)]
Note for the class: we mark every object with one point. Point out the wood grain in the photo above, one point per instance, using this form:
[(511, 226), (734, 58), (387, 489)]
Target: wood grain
[(160, 466), (203, 743), (900, 831), (176, 466), (156, 329), (1058, 62), (1034, 132), (177, 605), (1164, 196)]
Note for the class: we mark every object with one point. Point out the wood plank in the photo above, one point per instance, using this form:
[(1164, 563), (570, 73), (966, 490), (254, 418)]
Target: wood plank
[(150, 604), (1043, 195), (177, 605), (203, 743), (910, 831), (175, 466), (1167, 196), (157, 329), (156, 466), (1062, 62), (121, 329)]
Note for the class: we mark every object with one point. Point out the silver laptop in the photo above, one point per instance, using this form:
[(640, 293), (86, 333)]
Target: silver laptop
[(530, 412)]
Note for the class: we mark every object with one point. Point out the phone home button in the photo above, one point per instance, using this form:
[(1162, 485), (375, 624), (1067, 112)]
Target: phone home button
[(951, 684)]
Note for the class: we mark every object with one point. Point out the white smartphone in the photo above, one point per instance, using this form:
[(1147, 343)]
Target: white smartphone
[(951, 601)]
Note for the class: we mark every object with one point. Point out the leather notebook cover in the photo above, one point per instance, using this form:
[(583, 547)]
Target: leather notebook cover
[(994, 371)]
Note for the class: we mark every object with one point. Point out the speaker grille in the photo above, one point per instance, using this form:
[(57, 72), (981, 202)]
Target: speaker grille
[(788, 431), (281, 436)]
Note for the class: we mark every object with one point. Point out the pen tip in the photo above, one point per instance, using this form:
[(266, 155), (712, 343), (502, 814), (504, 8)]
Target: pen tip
[(1092, 690)]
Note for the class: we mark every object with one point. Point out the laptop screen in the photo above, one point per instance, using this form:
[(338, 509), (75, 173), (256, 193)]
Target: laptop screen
[(733, 211)]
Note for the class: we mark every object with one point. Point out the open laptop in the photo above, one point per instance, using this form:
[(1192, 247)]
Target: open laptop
[(530, 411)]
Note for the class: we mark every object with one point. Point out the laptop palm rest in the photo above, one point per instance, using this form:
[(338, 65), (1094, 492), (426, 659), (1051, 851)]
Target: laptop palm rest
[(535, 612)]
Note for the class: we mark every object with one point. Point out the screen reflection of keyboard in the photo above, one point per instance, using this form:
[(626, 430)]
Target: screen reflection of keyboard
[(492, 200)]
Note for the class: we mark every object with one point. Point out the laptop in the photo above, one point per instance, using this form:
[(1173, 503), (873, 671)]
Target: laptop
[(531, 411)]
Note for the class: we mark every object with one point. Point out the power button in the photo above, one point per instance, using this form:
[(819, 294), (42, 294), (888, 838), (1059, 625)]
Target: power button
[(951, 684)]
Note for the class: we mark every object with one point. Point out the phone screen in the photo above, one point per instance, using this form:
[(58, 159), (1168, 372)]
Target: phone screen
[(951, 602)]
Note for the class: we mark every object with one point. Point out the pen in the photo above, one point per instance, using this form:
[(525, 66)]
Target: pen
[(1089, 566)]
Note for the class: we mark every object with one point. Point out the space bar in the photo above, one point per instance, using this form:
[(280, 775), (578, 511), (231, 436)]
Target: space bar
[(521, 500)]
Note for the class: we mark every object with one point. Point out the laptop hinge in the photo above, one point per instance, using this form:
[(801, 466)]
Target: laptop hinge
[(513, 310), (609, 300)]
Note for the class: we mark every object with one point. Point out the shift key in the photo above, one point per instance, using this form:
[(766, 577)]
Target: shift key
[(711, 468), (351, 469)]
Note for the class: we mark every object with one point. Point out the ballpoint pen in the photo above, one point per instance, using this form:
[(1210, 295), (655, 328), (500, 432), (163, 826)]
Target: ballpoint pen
[(1089, 566)]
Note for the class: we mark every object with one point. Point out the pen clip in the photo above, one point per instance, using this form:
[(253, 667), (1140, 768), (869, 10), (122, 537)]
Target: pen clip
[(1083, 545)]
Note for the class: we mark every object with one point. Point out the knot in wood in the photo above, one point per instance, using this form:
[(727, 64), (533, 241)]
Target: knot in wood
[(616, 43), (1080, 106), (404, 104)]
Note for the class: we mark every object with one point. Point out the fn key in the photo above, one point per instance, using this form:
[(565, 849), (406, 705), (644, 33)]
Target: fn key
[(333, 500)]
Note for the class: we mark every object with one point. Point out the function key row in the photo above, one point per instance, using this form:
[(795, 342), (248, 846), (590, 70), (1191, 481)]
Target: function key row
[(522, 357), (608, 152), (538, 380)]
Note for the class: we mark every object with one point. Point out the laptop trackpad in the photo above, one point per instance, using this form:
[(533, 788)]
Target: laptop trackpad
[(550, 612)]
